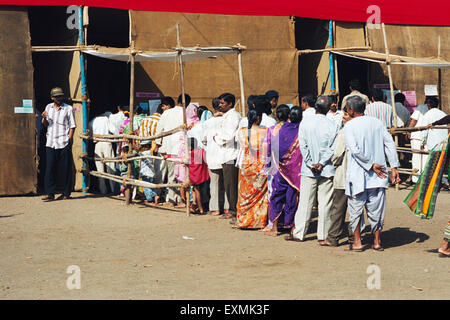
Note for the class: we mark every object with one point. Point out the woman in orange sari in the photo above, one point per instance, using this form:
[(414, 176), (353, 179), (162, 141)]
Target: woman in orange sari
[(253, 202)]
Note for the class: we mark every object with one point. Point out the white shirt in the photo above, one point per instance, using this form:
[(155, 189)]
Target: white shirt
[(170, 119), (116, 120), (418, 116), (146, 168), (212, 149), (226, 135), (367, 140), (100, 124), (336, 117), (432, 137), (59, 123), (266, 121), (308, 112), (197, 133), (316, 138)]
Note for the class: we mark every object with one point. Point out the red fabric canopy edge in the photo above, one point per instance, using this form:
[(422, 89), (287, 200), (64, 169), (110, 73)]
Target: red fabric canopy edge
[(408, 12)]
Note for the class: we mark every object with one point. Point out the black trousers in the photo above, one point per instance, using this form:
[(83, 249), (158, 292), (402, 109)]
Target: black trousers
[(54, 157), (230, 183)]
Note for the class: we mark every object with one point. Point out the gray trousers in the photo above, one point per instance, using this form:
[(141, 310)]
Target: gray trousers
[(218, 200), (173, 194), (337, 217)]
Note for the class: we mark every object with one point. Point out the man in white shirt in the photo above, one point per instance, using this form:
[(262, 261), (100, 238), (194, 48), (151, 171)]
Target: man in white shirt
[(170, 145), (418, 159), (59, 119), (226, 139), (214, 161), (307, 105), (334, 114), (367, 141), (116, 120), (433, 137), (355, 90), (100, 125), (316, 139), (273, 97)]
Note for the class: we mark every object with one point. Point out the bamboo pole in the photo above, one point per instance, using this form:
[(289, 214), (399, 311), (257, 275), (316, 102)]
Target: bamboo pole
[(421, 128), (241, 82), (308, 51), (180, 60), (336, 78), (391, 86), (128, 194), (122, 137), (408, 150), (133, 182), (84, 99), (120, 159)]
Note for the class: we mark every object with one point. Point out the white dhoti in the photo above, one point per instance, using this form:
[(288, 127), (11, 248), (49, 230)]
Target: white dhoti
[(418, 160), (374, 200), (104, 150), (308, 188)]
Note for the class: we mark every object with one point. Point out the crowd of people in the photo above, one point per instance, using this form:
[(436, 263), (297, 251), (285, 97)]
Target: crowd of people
[(271, 169)]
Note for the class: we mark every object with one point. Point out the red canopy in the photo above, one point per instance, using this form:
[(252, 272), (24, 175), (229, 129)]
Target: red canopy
[(411, 12)]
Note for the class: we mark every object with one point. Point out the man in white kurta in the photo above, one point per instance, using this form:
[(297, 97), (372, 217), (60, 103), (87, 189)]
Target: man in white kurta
[(367, 141), (431, 138), (316, 139)]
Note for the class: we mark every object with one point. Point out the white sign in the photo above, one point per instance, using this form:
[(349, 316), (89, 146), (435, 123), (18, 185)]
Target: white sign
[(431, 90), (23, 110)]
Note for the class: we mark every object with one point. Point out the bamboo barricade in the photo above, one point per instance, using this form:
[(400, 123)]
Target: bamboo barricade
[(126, 181), (127, 159)]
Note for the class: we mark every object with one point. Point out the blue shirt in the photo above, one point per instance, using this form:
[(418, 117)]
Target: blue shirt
[(316, 136), (367, 141)]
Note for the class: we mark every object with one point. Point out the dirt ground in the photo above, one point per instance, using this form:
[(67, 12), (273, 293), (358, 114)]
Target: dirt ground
[(138, 252)]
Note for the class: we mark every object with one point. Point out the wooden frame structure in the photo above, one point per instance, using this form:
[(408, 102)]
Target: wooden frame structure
[(127, 158)]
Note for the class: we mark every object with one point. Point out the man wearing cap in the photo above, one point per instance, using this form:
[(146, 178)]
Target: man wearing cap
[(273, 96), (59, 119)]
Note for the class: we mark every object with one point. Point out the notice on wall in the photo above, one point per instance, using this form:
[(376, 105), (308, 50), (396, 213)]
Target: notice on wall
[(381, 85), (153, 105), (143, 105), (147, 95), (431, 90), (387, 92), (27, 103), (23, 110), (411, 100)]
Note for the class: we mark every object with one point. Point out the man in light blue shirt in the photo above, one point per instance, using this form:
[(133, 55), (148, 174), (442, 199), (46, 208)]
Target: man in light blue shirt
[(367, 141), (316, 139)]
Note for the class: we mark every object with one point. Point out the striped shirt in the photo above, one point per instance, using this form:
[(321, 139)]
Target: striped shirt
[(59, 123), (381, 111), (148, 125)]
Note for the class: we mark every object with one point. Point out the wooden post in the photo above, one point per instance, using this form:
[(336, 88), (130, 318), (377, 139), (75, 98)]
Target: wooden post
[(187, 156), (439, 74), (391, 85), (241, 82), (336, 77), (128, 193)]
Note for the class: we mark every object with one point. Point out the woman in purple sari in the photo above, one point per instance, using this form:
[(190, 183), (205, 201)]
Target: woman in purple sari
[(284, 163)]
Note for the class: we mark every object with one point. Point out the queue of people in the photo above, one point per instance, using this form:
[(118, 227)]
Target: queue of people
[(268, 170)]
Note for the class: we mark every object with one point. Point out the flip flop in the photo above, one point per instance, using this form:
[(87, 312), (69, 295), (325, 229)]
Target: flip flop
[(292, 238), (380, 248), (350, 248)]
